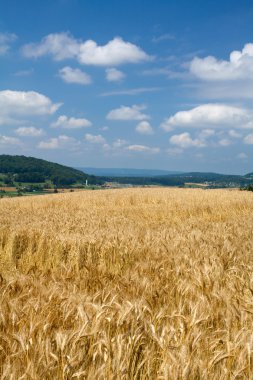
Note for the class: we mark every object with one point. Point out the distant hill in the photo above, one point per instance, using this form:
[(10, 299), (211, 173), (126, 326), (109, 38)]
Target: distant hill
[(32, 170), (207, 176), (125, 172), (211, 180)]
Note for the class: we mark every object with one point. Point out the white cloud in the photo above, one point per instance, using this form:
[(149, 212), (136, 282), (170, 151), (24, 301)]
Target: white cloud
[(24, 73), (239, 66), (184, 140), (224, 142), (119, 143), (63, 46), (95, 139), (234, 134), (144, 128), (242, 156), (115, 52), (167, 71), (29, 131), (6, 120), (221, 90), (206, 133), (210, 115), (174, 151), (142, 148), (71, 123), (248, 139), (52, 143), (60, 45), (249, 124), (116, 145), (77, 76), (106, 147), (6, 140), (131, 91), (163, 37), (5, 40), (14, 104), (127, 113), (60, 142), (199, 155), (114, 75)]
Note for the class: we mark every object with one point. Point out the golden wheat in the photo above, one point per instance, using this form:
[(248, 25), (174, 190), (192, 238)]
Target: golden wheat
[(127, 284)]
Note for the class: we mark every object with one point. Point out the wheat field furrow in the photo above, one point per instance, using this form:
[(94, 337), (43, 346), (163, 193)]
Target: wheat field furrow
[(127, 284)]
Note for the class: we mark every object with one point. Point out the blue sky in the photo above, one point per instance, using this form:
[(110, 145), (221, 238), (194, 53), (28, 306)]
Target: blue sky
[(138, 84)]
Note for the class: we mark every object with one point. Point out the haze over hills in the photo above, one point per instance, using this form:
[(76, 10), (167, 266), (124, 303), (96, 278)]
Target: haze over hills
[(127, 172), (164, 177), (15, 169)]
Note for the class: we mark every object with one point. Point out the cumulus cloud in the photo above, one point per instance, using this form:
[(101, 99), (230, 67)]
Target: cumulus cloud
[(248, 139), (206, 133), (144, 128), (239, 66), (142, 149), (5, 40), (225, 142), (210, 115), (95, 139), (60, 142), (249, 124), (114, 75), (128, 113), (131, 91), (70, 123), (184, 140), (115, 52), (59, 45), (15, 104), (7, 140), (63, 46), (242, 156), (234, 134), (119, 143), (70, 75), (221, 90), (29, 131)]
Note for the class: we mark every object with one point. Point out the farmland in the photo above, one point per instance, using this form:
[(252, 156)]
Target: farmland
[(127, 284)]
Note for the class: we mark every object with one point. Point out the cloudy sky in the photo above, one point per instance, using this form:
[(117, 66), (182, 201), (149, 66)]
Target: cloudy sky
[(137, 83)]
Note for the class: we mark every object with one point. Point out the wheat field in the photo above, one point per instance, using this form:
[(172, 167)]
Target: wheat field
[(127, 284)]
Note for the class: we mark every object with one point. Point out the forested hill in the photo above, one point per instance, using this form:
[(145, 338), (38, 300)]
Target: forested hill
[(208, 179), (30, 169)]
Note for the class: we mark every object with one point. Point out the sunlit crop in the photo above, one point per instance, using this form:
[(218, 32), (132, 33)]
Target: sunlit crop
[(127, 284)]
